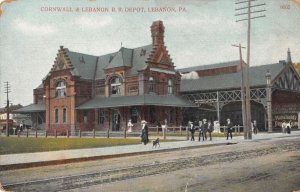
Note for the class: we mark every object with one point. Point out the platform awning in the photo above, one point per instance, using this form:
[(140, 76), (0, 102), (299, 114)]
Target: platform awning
[(32, 108), (139, 100)]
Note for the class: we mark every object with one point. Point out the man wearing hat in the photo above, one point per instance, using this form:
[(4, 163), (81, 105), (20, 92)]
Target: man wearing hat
[(144, 135), (192, 130), (229, 129)]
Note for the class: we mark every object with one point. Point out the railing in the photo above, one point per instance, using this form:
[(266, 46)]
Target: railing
[(163, 131)]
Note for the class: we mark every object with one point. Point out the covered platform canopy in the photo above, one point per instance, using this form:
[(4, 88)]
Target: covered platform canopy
[(139, 100), (32, 108)]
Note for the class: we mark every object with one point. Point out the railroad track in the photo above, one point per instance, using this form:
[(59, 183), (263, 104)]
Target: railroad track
[(108, 176)]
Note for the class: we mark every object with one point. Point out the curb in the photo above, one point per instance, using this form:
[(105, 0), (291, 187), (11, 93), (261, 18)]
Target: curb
[(83, 159)]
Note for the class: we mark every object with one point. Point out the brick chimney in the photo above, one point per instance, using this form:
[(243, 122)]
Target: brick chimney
[(289, 58), (157, 33)]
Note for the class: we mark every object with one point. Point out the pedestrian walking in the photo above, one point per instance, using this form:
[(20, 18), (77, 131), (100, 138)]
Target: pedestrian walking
[(255, 129), (192, 130), (129, 125), (204, 129), (210, 129), (144, 135), (283, 127), (288, 127), (229, 129), (200, 130)]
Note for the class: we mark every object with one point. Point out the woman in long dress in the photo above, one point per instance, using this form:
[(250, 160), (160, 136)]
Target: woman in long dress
[(144, 135)]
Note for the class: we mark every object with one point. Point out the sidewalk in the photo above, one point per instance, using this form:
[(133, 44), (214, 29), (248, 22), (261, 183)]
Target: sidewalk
[(23, 160)]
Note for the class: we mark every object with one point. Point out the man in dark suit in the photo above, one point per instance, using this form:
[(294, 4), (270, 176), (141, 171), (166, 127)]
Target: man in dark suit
[(210, 129), (204, 129), (200, 129), (192, 130), (229, 128)]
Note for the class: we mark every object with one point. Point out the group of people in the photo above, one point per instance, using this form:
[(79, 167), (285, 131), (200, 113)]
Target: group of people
[(286, 127), (203, 127)]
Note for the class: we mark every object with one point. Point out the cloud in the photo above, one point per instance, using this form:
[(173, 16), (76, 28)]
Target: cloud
[(34, 29), (93, 23)]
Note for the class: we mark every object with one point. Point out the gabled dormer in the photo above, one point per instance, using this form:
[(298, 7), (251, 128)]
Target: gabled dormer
[(62, 60)]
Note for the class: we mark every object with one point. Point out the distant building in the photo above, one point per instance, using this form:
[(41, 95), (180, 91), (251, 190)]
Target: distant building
[(217, 92)]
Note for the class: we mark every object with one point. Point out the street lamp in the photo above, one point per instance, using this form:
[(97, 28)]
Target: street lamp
[(269, 101)]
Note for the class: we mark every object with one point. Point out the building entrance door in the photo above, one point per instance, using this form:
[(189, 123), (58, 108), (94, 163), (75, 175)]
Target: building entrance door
[(115, 120)]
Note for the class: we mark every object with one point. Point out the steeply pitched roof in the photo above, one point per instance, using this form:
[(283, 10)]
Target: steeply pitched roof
[(139, 59), (232, 80), (211, 66), (121, 58), (90, 67), (84, 65)]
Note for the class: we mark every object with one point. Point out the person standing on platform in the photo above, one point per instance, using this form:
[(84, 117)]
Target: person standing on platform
[(129, 125), (210, 129), (204, 129), (255, 129), (192, 130), (229, 129), (288, 127), (200, 130), (144, 135), (283, 126)]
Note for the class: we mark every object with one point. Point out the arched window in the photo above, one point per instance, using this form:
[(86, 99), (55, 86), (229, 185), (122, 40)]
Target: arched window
[(60, 89), (64, 115), (56, 115), (115, 86), (151, 84), (170, 86)]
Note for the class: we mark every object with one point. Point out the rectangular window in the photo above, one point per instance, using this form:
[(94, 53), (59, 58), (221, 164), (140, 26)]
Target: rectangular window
[(64, 115), (85, 116), (152, 115), (56, 115), (100, 116), (134, 114)]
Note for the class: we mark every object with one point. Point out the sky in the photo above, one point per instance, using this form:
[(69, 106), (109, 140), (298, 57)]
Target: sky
[(200, 32)]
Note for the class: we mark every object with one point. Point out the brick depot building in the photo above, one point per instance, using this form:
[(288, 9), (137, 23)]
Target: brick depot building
[(85, 92), (98, 92)]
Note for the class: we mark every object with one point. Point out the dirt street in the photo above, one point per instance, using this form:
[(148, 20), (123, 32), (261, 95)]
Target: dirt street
[(266, 165)]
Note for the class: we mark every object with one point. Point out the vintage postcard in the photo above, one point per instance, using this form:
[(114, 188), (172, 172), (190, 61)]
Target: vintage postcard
[(149, 95)]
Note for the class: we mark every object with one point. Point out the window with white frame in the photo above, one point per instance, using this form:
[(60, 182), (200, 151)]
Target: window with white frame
[(133, 115), (100, 116), (60, 89), (170, 86), (56, 115), (151, 84), (115, 86), (64, 115)]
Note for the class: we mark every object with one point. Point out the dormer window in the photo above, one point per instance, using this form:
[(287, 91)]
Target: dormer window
[(170, 86), (115, 86), (151, 84), (60, 89)]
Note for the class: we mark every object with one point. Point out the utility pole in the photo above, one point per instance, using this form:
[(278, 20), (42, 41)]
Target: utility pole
[(7, 90), (250, 11), (243, 88)]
